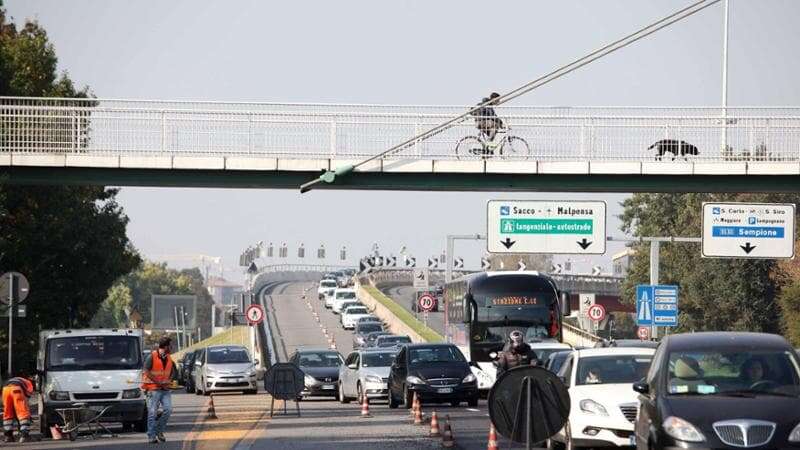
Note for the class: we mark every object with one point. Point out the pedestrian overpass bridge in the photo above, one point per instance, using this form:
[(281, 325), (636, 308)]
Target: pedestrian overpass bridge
[(186, 143)]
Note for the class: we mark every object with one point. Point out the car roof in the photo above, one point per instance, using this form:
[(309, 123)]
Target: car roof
[(725, 340), (210, 347), (549, 346), (428, 345), (610, 351), (314, 350)]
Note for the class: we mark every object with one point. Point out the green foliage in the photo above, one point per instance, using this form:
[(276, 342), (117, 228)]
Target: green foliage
[(716, 294), (136, 289)]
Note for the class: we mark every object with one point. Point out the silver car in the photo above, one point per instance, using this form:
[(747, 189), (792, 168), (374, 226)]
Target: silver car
[(225, 368), (365, 372)]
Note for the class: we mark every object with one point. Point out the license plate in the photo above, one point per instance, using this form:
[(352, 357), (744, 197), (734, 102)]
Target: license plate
[(328, 387), (444, 390), (633, 439)]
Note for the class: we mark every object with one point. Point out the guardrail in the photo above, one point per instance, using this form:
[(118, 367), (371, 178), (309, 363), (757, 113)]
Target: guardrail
[(578, 337), (341, 131)]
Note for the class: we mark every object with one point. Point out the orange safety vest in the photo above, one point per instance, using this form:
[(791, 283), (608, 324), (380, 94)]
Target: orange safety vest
[(160, 373)]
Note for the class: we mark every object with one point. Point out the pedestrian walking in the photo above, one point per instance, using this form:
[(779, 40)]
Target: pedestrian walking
[(158, 376)]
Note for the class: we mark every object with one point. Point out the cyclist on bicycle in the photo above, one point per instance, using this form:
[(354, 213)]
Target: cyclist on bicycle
[(486, 119)]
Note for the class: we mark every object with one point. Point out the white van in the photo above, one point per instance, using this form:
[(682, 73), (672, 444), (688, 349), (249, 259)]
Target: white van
[(98, 367)]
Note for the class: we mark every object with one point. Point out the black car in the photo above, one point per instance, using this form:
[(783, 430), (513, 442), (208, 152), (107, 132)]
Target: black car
[(436, 372), (720, 390), (362, 330), (321, 368), (187, 371), (391, 340), (556, 360)]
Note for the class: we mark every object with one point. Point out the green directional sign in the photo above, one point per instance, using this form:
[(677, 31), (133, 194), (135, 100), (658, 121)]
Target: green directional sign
[(546, 226), (557, 227)]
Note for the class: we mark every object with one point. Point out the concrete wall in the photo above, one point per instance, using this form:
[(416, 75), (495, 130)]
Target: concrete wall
[(393, 324)]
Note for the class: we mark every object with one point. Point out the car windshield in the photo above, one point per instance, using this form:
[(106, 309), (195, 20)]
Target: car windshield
[(499, 334), (348, 304), (612, 369), (346, 295), (390, 341), (370, 327), (328, 284), (94, 353), (356, 310), (222, 355), (435, 355), (543, 353), (733, 372), (382, 359), (322, 359)]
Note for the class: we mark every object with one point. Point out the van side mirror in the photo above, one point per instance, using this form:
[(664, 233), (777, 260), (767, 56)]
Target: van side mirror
[(352, 366), (641, 387), (563, 298)]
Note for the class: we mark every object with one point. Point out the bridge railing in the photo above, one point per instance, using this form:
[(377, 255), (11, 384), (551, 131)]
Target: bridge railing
[(330, 131)]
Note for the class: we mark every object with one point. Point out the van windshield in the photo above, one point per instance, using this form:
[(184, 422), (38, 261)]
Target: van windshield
[(93, 353)]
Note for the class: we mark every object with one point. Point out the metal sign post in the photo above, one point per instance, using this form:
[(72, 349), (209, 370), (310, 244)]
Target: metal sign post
[(11, 302), (16, 292)]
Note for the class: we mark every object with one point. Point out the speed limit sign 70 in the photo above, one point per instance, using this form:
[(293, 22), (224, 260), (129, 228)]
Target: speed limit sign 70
[(254, 314), (596, 312), (426, 302)]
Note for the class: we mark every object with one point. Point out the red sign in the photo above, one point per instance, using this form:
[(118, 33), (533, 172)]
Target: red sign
[(643, 333), (254, 314), (426, 302), (596, 312)]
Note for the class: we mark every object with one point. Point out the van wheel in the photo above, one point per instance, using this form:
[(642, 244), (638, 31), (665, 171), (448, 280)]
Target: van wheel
[(44, 426), (393, 404)]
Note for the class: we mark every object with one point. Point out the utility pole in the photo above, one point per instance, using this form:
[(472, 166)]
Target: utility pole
[(726, 20)]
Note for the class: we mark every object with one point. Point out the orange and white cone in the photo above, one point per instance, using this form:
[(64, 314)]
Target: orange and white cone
[(447, 437), (414, 406), (365, 408), (212, 413), (333, 344), (492, 444), (418, 414), (434, 425)]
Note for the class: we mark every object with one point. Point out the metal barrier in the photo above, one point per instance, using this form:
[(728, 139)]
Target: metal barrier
[(577, 337), (323, 131)]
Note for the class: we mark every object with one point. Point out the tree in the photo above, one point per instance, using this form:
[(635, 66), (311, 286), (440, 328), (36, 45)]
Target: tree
[(788, 274), (112, 313), (715, 294), (70, 241)]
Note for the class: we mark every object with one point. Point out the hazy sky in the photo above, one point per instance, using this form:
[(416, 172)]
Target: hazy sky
[(400, 52)]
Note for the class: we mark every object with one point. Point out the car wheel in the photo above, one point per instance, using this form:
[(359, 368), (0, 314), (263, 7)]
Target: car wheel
[(455, 403), (360, 394), (408, 398), (44, 425), (189, 388), (140, 426), (342, 397), (206, 393), (393, 404), (473, 402)]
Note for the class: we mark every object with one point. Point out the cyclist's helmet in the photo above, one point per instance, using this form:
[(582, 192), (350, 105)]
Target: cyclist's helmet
[(516, 338)]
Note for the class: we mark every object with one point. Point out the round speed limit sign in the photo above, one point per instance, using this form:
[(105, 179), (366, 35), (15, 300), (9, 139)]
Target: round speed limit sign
[(597, 312), (254, 314), (426, 302)]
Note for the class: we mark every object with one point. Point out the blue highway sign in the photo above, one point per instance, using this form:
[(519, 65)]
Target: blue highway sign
[(657, 305)]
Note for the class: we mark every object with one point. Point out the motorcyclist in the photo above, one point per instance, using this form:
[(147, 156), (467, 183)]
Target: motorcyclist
[(515, 353)]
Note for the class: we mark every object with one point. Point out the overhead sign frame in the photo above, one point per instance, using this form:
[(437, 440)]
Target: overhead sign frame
[(546, 226), (748, 230)]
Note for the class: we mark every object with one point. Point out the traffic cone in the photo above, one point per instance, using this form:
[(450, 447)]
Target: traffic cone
[(447, 437), (418, 413), (365, 408), (333, 344), (212, 413), (492, 444), (55, 431), (414, 406), (434, 425)]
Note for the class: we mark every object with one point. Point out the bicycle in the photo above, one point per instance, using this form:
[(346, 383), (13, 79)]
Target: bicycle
[(504, 143)]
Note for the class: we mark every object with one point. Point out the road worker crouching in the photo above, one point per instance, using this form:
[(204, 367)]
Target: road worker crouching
[(16, 392)]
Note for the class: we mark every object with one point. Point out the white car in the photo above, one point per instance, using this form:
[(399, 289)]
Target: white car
[(365, 372), (545, 349), (326, 287), (351, 315), (603, 402), (340, 296)]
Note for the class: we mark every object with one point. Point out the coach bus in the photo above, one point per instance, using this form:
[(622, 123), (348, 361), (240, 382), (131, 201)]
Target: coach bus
[(483, 308)]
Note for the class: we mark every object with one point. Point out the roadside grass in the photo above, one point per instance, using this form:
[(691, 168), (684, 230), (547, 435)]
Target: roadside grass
[(404, 315)]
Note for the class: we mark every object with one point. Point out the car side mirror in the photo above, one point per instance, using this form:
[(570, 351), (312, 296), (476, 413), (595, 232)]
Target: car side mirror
[(566, 308), (256, 361), (641, 387), (198, 363), (563, 379), (474, 364), (352, 366)]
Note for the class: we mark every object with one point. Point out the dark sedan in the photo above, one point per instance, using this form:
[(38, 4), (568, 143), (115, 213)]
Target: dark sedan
[(321, 369), (436, 372), (556, 360), (187, 372), (720, 390), (362, 330), (371, 337)]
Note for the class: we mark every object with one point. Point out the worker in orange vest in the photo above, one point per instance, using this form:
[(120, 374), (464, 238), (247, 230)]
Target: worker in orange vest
[(158, 376), (16, 392)]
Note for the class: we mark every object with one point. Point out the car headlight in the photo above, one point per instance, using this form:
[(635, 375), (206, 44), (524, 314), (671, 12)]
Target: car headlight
[(359, 339), (794, 436), (132, 393), (414, 380), (310, 381), (469, 378), (59, 395), (683, 430), (373, 379), (592, 407)]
